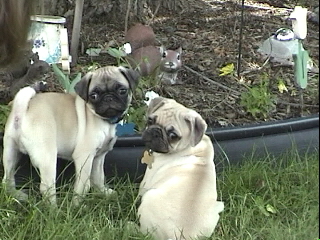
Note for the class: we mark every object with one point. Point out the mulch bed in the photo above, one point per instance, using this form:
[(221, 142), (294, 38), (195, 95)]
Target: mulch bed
[(210, 40)]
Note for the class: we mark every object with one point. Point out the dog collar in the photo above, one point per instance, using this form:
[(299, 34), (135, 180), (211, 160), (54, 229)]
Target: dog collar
[(114, 120)]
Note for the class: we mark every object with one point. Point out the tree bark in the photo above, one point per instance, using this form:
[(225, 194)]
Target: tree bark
[(76, 31), (52, 7), (115, 12)]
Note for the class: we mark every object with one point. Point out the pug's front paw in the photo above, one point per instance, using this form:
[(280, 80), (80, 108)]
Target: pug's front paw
[(20, 195), (108, 191)]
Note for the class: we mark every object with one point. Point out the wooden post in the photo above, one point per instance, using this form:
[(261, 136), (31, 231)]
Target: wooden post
[(240, 42), (76, 31)]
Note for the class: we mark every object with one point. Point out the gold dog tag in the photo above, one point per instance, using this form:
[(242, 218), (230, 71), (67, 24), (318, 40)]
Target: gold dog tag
[(147, 158)]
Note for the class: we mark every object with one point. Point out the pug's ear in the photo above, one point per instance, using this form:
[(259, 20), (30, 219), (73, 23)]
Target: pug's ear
[(197, 128), (131, 75), (82, 87), (155, 104)]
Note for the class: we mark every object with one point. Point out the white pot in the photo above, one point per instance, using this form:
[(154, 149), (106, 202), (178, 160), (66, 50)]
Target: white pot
[(50, 39)]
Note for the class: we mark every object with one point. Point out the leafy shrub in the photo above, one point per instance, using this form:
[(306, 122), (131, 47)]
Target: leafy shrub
[(4, 113), (258, 100), (64, 80), (138, 108)]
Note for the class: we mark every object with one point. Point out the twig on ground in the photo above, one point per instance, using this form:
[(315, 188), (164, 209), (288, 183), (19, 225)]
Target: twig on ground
[(297, 104), (287, 9), (256, 69), (155, 12), (211, 81)]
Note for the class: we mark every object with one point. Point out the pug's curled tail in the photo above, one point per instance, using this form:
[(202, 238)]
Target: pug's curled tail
[(20, 104)]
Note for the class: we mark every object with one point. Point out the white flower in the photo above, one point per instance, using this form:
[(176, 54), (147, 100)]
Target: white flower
[(127, 48), (299, 22), (149, 96)]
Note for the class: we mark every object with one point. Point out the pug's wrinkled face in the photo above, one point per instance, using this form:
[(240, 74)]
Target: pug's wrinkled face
[(108, 91), (171, 127)]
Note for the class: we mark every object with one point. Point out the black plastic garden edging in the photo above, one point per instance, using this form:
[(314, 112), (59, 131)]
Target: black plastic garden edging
[(231, 145)]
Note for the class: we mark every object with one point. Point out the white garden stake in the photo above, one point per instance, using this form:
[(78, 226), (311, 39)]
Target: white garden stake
[(301, 56), (65, 57), (299, 22)]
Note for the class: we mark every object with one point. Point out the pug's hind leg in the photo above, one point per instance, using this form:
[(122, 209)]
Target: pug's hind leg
[(47, 166), (11, 157)]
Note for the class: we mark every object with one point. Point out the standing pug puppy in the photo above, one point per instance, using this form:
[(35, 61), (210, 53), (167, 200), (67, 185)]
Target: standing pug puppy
[(81, 127), (178, 191)]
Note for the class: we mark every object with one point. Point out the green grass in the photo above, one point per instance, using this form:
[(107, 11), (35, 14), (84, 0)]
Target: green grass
[(273, 198)]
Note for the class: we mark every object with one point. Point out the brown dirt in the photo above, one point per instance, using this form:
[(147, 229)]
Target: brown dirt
[(209, 37)]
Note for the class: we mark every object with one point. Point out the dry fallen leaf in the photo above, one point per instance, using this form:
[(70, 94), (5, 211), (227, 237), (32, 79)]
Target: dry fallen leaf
[(228, 69), (281, 86)]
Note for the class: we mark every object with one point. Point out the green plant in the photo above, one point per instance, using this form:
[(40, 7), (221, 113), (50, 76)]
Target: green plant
[(258, 100), (4, 113), (119, 54), (136, 115), (137, 110), (91, 67), (64, 80)]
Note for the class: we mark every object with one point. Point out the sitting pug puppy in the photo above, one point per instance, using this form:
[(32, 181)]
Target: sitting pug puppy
[(80, 126), (178, 191)]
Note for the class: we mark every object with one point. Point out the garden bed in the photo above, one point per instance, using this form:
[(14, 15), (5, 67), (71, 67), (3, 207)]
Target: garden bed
[(210, 40)]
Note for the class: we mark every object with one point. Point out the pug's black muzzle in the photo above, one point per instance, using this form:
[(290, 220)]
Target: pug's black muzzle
[(155, 138), (111, 107)]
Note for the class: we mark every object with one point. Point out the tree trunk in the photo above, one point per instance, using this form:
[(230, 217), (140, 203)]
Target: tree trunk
[(52, 7)]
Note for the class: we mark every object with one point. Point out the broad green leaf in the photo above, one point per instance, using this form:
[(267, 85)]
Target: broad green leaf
[(93, 52), (62, 78), (115, 52), (74, 82)]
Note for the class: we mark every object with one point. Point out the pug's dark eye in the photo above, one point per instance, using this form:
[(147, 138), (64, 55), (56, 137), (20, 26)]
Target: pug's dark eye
[(173, 136), (93, 96), (123, 91), (149, 121)]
